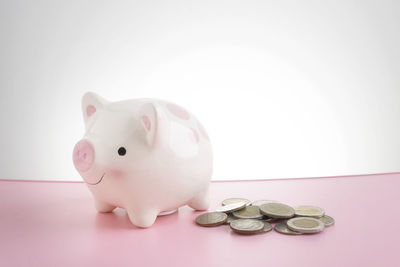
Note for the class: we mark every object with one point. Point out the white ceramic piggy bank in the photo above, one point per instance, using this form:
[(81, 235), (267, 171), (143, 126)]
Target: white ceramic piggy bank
[(146, 155)]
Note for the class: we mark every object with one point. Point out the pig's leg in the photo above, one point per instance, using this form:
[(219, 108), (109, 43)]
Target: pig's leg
[(142, 218), (201, 201), (103, 206)]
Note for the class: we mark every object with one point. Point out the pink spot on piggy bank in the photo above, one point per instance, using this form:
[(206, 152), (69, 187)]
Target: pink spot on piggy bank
[(90, 110), (178, 111), (83, 155), (146, 122), (143, 155), (196, 137), (202, 131)]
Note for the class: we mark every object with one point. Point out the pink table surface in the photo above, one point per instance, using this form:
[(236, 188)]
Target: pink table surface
[(55, 224)]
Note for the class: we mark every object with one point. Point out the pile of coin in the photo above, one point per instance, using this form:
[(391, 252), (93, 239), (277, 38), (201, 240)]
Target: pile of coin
[(246, 217)]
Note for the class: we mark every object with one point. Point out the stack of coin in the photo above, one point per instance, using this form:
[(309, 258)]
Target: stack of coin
[(246, 217)]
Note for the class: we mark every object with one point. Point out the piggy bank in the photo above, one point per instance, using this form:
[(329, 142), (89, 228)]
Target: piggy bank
[(147, 156)]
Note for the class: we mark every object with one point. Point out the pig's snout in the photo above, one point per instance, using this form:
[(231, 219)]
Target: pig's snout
[(83, 155)]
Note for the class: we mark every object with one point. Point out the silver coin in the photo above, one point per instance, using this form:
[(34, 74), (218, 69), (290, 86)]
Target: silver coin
[(306, 225), (273, 220), (309, 211), (247, 226), (267, 227), (267, 219), (327, 220), (232, 207), (249, 212), (211, 219), (277, 210), (168, 212), (262, 202), (235, 200), (230, 219), (283, 229)]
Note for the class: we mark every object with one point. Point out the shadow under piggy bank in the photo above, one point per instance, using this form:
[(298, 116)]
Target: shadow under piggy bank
[(118, 219)]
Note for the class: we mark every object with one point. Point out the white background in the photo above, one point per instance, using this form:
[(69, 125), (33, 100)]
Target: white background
[(284, 88)]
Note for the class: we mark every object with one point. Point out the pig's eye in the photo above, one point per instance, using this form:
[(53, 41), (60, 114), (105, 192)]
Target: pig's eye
[(121, 151)]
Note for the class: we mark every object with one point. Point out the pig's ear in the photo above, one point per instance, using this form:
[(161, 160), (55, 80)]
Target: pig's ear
[(91, 104), (148, 120)]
